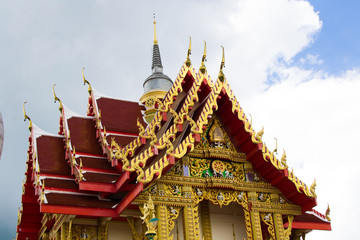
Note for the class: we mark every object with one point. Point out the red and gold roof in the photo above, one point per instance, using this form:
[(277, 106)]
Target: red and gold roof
[(98, 164)]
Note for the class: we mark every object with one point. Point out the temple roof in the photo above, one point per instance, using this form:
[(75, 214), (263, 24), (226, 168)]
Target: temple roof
[(98, 164)]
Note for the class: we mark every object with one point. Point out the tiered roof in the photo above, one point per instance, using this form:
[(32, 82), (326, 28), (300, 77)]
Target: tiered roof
[(99, 163)]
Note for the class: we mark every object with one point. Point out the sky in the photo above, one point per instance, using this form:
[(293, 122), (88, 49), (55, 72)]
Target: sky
[(294, 65)]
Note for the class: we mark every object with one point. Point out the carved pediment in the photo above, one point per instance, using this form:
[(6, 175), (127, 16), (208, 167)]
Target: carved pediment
[(215, 143)]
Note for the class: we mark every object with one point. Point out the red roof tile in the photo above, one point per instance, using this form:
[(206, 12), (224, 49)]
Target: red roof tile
[(119, 115), (83, 135), (51, 155)]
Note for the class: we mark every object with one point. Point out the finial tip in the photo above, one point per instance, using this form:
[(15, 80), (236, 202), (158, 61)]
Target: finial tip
[(203, 60), (155, 39), (188, 61)]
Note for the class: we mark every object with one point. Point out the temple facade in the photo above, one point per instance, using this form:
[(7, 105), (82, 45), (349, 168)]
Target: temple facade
[(182, 163)]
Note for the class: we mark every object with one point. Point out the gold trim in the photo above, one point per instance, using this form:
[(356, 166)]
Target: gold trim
[(172, 214), (191, 223), (205, 220), (153, 94), (267, 218), (279, 226), (256, 225), (287, 232)]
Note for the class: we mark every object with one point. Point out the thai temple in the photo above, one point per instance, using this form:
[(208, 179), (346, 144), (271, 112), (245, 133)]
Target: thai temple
[(184, 162)]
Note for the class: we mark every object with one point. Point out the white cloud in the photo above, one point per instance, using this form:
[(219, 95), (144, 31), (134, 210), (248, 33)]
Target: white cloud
[(263, 32), (315, 118), (311, 59)]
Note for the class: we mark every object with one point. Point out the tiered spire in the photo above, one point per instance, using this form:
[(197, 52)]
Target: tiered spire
[(156, 61), (157, 84), (157, 80)]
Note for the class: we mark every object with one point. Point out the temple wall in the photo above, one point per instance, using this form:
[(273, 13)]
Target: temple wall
[(222, 220), (119, 231)]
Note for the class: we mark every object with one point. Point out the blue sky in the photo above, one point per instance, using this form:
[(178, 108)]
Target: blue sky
[(310, 108), (338, 42)]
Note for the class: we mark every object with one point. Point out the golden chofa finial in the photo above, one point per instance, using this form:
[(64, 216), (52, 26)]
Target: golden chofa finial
[(276, 146), (155, 39), (56, 99), (188, 61), (327, 214), (27, 117), (222, 65), (312, 188), (86, 81), (203, 60)]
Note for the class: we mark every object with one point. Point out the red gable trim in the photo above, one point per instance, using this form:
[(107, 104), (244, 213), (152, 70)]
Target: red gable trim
[(85, 211), (105, 187), (309, 225)]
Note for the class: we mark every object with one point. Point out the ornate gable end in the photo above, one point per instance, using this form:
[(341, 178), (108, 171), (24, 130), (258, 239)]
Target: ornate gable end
[(216, 171), (220, 159)]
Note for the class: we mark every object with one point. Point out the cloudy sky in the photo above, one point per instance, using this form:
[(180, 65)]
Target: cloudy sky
[(294, 66)]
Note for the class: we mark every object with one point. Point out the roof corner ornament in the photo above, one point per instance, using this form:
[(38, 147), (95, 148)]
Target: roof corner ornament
[(203, 60), (327, 214), (80, 169), (188, 61), (222, 65), (313, 187), (259, 135), (27, 117), (283, 160), (276, 147), (56, 99), (86, 81), (155, 39)]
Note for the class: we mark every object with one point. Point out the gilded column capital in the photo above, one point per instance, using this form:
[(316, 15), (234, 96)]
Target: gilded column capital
[(252, 196), (274, 197)]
